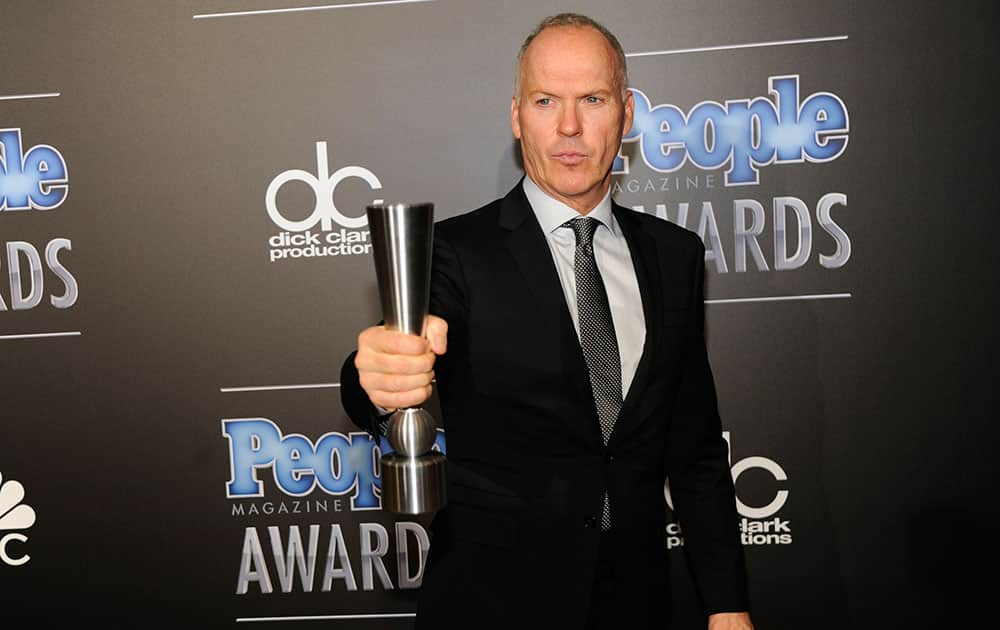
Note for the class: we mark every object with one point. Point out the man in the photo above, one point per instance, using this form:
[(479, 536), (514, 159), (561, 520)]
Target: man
[(566, 339)]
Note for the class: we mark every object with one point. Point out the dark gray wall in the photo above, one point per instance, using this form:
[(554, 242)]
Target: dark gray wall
[(865, 400)]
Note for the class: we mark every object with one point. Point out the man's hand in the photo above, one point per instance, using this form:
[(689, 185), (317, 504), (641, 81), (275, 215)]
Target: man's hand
[(730, 621), (396, 369)]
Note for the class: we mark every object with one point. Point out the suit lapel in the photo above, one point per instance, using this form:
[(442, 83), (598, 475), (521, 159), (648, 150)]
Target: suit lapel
[(643, 252), (527, 245)]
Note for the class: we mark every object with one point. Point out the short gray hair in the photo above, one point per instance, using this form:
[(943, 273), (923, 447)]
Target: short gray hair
[(579, 21)]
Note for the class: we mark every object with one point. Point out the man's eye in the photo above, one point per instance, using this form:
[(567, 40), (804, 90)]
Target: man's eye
[(593, 99), (543, 101)]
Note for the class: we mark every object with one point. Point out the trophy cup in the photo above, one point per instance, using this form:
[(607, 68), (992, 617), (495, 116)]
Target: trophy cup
[(413, 476)]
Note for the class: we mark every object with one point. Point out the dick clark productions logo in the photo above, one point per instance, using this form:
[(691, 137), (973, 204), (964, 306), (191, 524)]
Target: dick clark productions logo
[(297, 240)]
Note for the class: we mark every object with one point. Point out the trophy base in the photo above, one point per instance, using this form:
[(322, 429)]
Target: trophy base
[(413, 485)]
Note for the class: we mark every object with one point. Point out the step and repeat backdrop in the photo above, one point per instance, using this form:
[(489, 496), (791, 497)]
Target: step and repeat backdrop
[(185, 264)]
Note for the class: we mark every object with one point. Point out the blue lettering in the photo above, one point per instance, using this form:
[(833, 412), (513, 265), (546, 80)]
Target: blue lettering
[(709, 139), (251, 446), (747, 134), (33, 180), (294, 465), (339, 464), (828, 117)]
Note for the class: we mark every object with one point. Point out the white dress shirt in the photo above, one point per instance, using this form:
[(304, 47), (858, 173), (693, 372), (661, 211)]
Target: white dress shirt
[(613, 261)]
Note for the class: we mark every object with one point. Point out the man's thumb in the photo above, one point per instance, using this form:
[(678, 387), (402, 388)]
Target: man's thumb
[(437, 334)]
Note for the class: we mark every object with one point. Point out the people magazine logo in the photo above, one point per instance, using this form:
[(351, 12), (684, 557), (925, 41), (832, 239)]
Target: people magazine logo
[(31, 181), (325, 230), (694, 162), (15, 518), (759, 525), (290, 491)]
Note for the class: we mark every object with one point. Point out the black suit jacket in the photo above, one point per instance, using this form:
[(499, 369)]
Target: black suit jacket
[(527, 469)]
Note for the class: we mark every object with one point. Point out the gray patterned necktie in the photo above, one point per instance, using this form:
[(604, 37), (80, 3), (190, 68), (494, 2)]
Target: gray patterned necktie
[(597, 335)]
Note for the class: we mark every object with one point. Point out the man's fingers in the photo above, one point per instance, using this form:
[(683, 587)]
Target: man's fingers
[(379, 339), (436, 331), (400, 400), (400, 364), (378, 382), (396, 369)]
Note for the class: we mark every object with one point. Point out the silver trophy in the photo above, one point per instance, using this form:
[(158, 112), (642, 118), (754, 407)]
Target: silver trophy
[(413, 476)]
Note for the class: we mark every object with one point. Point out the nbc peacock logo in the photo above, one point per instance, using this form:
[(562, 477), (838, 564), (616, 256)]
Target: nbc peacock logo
[(15, 516)]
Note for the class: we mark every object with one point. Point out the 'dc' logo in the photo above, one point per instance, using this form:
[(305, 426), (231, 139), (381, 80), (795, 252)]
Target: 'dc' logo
[(323, 185), (745, 464)]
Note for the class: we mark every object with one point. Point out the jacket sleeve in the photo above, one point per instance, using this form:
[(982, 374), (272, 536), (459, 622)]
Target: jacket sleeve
[(449, 301), (699, 474), (355, 401)]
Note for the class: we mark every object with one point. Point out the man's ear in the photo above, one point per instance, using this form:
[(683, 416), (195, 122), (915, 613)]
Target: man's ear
[(629, 112), (515, 117)]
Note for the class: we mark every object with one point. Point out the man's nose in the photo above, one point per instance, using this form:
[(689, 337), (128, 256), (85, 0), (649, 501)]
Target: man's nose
[(569, 122)]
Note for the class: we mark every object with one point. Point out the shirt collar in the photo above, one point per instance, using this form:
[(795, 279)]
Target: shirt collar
[(552, 213)]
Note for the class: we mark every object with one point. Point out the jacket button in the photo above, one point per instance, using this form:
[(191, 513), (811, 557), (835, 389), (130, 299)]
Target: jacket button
[(590, 522), (609, 458)]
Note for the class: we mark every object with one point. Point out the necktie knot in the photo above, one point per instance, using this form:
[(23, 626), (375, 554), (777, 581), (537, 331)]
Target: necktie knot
[(584, 229)]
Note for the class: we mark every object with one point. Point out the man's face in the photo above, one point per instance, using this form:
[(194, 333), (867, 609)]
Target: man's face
[(570, 117)]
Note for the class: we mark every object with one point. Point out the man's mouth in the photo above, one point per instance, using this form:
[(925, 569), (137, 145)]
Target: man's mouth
[(569, 158)]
